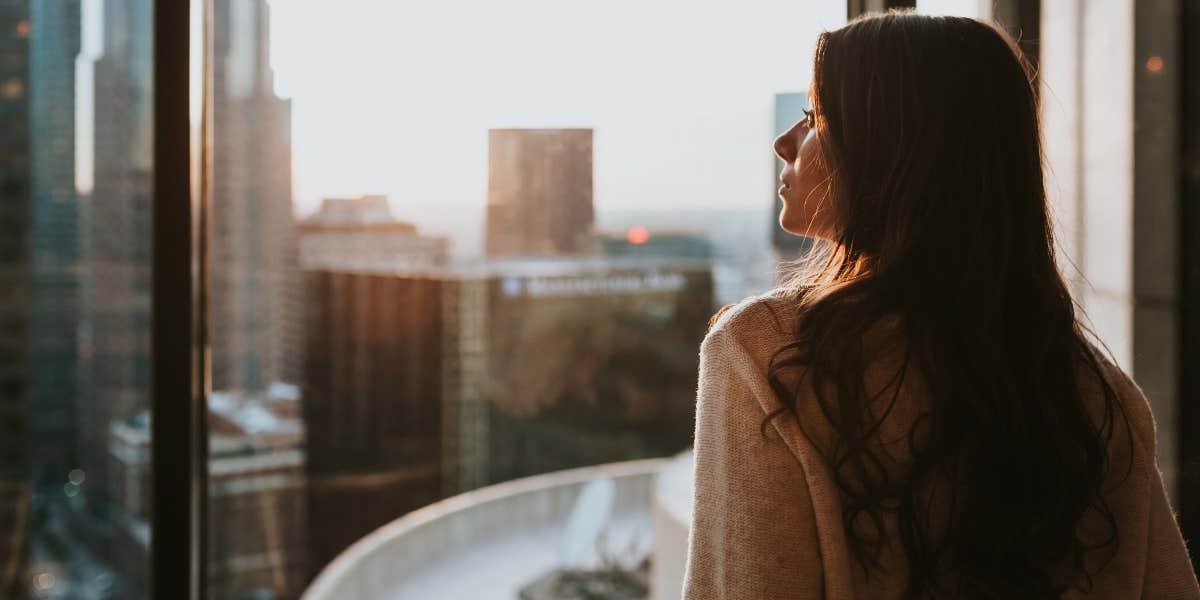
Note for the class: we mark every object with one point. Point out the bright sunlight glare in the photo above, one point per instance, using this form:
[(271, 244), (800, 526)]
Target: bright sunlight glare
[(396, 97)]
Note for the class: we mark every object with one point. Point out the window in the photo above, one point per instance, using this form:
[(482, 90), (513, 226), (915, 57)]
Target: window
[(442, 261)]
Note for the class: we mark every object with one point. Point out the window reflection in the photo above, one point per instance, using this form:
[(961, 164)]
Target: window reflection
[(75, 167)]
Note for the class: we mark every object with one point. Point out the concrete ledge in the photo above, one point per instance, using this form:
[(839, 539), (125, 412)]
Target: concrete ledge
[(672, 519), (484, 541)]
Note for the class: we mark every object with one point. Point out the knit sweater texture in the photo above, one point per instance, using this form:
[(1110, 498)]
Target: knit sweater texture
[(767, 518)]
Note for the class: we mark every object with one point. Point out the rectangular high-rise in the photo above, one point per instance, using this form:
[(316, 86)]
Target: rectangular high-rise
[(424, 385), (115, 341), (372, 380), (54, 44), (114, 334), (539, 192)]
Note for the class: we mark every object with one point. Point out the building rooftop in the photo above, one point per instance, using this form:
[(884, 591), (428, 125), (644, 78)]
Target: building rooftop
[(365, 211), (241, 426), (254, 427)]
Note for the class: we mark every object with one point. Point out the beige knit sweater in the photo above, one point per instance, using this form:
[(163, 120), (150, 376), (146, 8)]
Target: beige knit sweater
[(767, 520)]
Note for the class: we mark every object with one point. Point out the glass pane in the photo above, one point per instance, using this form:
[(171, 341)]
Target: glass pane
[(75, 166), (459, 255)]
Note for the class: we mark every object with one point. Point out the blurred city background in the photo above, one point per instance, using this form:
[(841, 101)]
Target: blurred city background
[(472, 248)]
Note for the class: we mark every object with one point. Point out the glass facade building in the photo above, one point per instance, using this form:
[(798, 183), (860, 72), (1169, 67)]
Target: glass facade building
[(421, 386)]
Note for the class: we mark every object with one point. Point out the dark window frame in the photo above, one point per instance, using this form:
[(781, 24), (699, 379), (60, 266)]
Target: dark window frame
[(178, 347)]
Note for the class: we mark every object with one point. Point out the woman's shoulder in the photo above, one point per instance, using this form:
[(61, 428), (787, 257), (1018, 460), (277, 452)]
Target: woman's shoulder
[(1134, 405), (760, 320)]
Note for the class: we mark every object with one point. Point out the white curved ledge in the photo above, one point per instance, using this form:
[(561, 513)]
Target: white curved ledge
[(485, 543)]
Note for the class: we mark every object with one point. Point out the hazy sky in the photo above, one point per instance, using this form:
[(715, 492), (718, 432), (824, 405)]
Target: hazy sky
[(397, 96)]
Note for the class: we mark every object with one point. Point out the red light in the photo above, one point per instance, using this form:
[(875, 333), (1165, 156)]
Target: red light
[(22, 29), (1154, 64), (638, 235)]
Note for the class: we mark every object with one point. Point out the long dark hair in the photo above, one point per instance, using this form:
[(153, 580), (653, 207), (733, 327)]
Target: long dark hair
[(929, 131)]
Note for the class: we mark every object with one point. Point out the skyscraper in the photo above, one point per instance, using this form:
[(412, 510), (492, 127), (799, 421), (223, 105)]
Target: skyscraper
[(44, 420), (371, 390), (423, 386), (115, 340), (55, 231), (253, 269), (539, 192)]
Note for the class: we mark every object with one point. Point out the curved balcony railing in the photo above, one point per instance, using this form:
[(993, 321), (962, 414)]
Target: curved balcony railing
[(490, 542)]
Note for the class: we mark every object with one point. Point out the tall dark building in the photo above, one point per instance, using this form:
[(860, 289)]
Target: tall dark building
[(421, 386), (256, 486), (539, 192), (40, 311), (15, 303), (370, 398), (55, 239), (253, 268), (115, 340)]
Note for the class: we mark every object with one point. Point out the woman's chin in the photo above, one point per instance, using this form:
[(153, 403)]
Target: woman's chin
[(791, 225)]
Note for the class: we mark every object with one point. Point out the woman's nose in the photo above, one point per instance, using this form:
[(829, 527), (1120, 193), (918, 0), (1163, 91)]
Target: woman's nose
[(785, 144)]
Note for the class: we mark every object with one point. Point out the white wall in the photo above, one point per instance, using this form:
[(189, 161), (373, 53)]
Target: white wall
[(1110, 133), (976, 9)]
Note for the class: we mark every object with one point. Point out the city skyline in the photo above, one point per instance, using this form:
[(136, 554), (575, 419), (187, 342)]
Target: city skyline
[(542, 364), (352, 139), (688, 122), (346, 144)]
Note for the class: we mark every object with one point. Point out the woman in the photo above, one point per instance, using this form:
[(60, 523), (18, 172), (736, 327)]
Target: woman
[(922, 416)]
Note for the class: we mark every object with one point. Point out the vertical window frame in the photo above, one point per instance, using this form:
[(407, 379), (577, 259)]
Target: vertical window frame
[(178, 321)]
